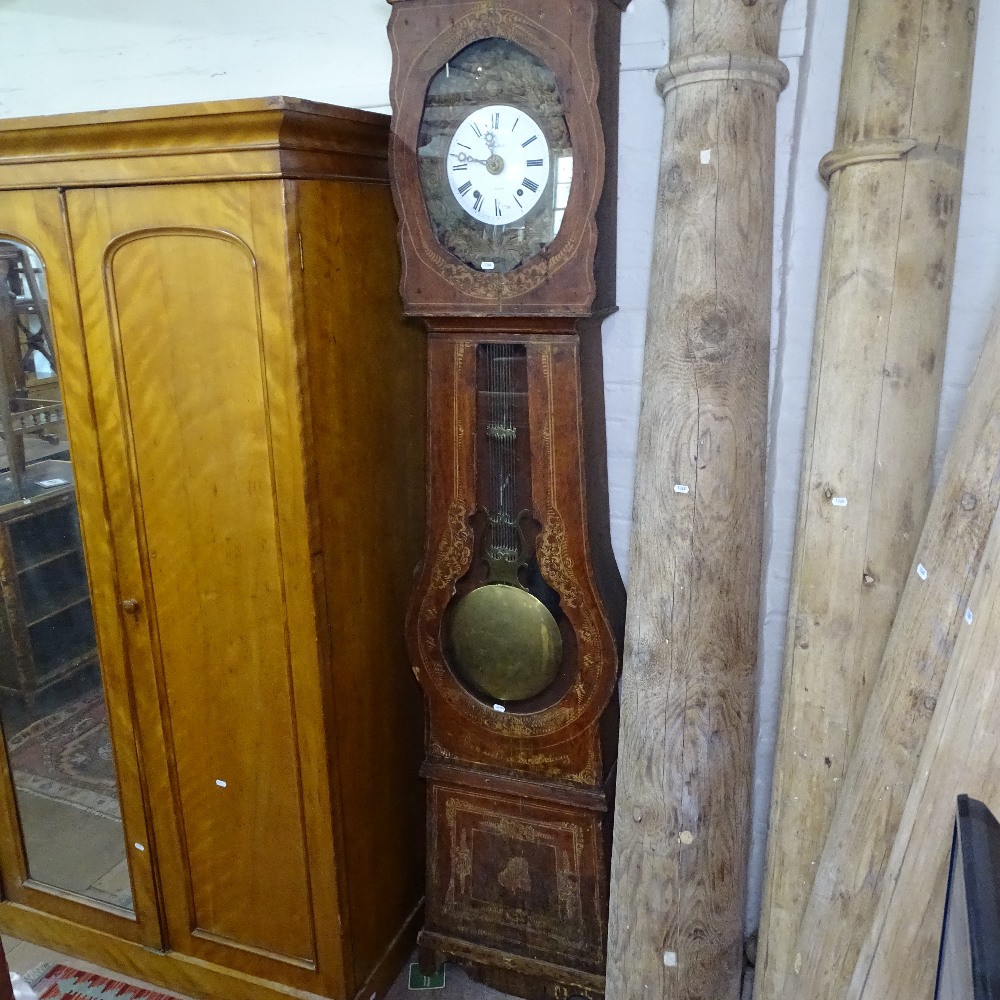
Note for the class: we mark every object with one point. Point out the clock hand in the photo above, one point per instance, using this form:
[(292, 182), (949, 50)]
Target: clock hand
[(465, 158), (494, 164)]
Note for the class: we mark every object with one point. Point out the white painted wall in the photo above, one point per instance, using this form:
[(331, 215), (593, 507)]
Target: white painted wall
[(63, 55)]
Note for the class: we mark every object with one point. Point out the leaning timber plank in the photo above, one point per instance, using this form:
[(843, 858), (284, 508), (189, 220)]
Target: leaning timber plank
[(888, 259), (961, 754), (678, 890), (852, 869)]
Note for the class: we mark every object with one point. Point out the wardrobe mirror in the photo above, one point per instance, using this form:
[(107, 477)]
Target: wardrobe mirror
[(52, 704)]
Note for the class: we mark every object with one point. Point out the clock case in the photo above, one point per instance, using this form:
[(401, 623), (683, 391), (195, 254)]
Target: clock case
[(520, 800)]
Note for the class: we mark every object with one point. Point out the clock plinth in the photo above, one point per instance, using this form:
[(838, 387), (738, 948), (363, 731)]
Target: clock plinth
[(516, 621), (517, 892)]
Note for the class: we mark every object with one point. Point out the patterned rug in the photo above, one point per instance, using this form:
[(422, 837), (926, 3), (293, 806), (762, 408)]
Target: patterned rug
[(64, 983), (67, 756)]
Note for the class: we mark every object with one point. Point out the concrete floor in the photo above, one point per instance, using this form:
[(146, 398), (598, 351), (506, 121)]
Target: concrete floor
[(457, 986)]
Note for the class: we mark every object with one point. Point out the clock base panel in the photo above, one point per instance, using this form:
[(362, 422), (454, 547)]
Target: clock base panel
[(518, 885), (516, 975)]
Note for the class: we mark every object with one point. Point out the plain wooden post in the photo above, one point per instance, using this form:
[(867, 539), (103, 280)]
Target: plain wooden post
[(961, 754), (851, 872), (895, 182), (684, 774)]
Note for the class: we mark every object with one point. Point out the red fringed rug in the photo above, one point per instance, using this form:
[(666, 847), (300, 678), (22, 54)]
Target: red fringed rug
[(63, 983)]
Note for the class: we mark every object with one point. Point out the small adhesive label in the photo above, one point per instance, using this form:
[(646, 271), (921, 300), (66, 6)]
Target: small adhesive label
[(220, 782), (418, 981), (139, 847), (921, 572), (681, 488), (968, 616), (499, 708), (706, 156), (670, 959), (839, 501), (487, 265)]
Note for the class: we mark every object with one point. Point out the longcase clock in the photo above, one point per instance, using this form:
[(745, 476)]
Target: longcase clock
[(503, 171)]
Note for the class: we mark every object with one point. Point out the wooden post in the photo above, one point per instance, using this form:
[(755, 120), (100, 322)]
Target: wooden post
[(961, 754), (851, 872), (678, 890), (888, 259)]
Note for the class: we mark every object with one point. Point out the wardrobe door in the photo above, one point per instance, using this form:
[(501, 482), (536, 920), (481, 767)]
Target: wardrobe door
[(73, 836), (187, 317)]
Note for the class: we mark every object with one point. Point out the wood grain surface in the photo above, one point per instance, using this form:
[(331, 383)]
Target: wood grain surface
[(851, 872), (961, 755), (885, 284), (212, 140), (197, 471), (689, 680), (245, 404)]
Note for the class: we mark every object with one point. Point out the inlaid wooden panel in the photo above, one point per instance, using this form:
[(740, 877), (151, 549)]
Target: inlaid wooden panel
[(518, 874)]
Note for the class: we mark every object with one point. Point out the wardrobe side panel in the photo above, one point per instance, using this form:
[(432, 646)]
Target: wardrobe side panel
[(367, 372)]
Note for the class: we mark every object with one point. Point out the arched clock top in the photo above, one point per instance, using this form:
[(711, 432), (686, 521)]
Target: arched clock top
[(491, 246)]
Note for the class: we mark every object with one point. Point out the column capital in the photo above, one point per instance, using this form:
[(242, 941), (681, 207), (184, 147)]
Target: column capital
[(710, 67)]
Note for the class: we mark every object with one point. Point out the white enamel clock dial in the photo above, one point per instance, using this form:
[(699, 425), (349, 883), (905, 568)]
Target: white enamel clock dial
[(498, 164)]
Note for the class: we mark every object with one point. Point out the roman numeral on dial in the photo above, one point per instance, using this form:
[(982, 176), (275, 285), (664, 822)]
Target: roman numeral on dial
[(530, 185), (535, 163), (465, 188)]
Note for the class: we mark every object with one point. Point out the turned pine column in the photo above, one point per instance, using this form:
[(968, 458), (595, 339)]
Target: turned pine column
[(895, 177), (682, 821)]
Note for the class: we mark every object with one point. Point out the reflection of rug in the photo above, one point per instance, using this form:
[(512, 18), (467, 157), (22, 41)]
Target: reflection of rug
[(63, 983), (66, 756)]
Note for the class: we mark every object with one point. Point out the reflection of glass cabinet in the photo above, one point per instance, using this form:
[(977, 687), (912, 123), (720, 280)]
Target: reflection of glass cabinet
[(48, 632), (228, 372)]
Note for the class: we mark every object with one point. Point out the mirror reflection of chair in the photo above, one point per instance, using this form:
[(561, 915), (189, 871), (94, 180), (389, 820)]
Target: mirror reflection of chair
[(30, 404), (46, 625)]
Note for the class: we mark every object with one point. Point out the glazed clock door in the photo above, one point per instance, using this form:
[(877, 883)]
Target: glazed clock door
[(73, 837), (187, 317), (495, 176)]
